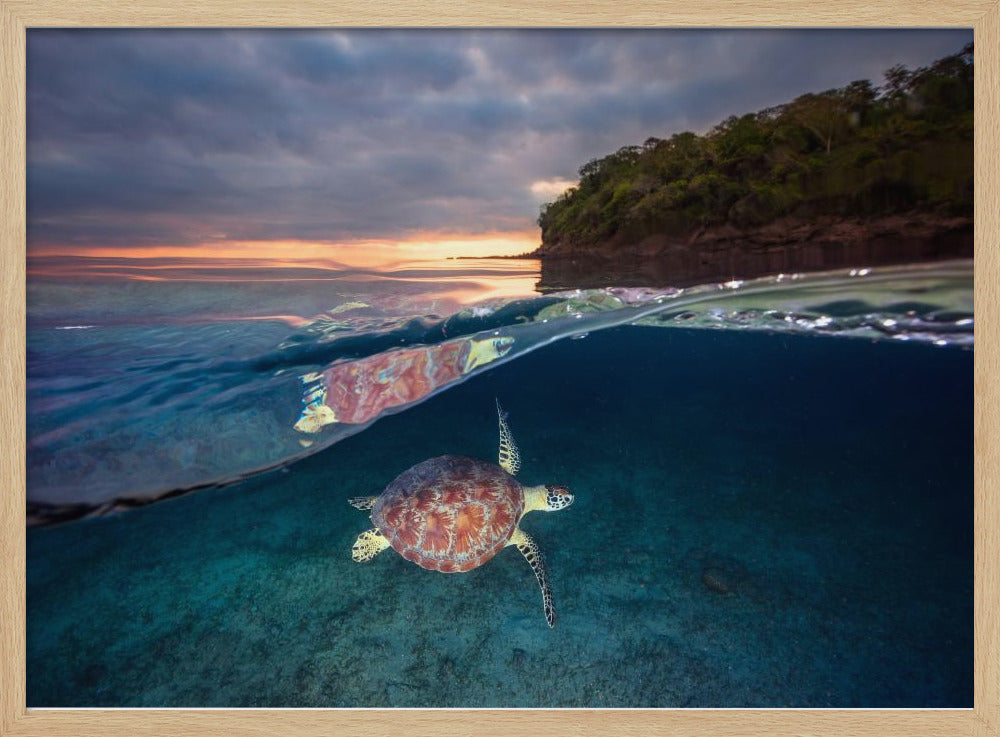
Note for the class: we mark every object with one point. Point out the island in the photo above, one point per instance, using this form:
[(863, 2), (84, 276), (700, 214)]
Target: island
[(859, 175)]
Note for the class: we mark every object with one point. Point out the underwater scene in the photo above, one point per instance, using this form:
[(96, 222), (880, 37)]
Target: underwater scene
[(485, 367), (749, 493)]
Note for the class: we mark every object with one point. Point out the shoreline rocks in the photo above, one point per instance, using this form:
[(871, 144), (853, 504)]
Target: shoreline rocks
[(781, 233)]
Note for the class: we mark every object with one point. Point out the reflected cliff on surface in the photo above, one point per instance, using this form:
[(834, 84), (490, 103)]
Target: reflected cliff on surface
[(683, 267)]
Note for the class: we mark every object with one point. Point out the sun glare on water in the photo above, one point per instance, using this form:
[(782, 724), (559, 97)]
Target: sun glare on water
[(455, 269)]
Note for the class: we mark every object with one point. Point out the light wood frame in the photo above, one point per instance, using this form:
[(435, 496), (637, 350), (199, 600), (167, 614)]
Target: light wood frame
[(17, 15)]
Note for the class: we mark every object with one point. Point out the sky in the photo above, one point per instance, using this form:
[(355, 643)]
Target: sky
[(336, 142)]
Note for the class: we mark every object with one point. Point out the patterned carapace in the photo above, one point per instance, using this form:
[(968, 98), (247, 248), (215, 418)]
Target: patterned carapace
[(450, 513)]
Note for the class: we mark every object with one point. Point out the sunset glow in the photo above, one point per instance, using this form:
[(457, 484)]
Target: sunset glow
[(269, 258)]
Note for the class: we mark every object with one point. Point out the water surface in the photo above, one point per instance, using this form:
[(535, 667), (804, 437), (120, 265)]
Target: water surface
[(773, 479)]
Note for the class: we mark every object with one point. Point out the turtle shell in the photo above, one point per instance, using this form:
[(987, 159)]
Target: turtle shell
[(449, 513)]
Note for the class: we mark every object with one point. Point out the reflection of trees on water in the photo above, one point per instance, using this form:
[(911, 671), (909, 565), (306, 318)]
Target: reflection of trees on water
[(682, 268)]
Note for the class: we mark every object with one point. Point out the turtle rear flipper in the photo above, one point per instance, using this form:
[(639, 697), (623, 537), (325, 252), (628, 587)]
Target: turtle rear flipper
[(363, 502), (529, 549)]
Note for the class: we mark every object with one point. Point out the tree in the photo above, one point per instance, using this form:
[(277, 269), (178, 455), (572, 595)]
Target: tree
[(897, 84), (859, 98), (824, 115)]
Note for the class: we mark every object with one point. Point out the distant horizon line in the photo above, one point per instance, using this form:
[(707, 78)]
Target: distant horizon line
[(373, 253), (282, 260)]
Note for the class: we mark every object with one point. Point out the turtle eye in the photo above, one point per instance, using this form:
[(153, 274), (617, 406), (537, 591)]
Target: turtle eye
[(558, 497), (502, 344)]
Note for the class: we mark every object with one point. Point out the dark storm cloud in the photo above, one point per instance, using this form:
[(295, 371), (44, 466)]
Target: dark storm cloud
[(182, 136)]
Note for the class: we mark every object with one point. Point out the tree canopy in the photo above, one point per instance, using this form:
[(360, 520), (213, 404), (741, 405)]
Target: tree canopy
[(859, 150)]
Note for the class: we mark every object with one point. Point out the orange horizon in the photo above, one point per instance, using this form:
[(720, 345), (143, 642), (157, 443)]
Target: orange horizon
[(366, 253)]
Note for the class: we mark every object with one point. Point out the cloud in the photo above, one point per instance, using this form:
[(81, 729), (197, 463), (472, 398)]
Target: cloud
[(178, 136), (549, 189)]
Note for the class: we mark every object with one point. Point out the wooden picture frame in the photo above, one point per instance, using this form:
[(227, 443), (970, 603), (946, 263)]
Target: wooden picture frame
[(16, 16)]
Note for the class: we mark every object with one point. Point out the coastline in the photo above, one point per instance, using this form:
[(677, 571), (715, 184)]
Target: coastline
[(783, 232), (724, 252)]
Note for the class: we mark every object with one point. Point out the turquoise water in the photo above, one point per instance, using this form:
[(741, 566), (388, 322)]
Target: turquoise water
[(773, 488)]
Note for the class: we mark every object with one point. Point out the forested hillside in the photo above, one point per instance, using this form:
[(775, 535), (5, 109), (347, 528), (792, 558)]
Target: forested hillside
[(860, 151)]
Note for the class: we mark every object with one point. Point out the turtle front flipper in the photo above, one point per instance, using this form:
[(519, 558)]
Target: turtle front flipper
[(369, 544), (510, 459), (529, 549), (363, 502)]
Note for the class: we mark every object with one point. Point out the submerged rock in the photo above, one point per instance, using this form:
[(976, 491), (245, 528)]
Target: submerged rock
[(717, 580), (722, 574)]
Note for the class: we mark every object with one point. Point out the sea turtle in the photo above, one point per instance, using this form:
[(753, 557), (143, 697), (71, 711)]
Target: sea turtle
[(358, 391), (454, 513)]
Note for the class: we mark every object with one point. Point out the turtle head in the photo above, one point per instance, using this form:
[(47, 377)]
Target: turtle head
[(557, 497)]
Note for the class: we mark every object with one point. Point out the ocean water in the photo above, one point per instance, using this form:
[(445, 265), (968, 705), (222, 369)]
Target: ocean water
[(773, 480)]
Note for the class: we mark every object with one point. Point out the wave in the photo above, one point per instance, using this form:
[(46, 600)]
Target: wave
[(133, 425)]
